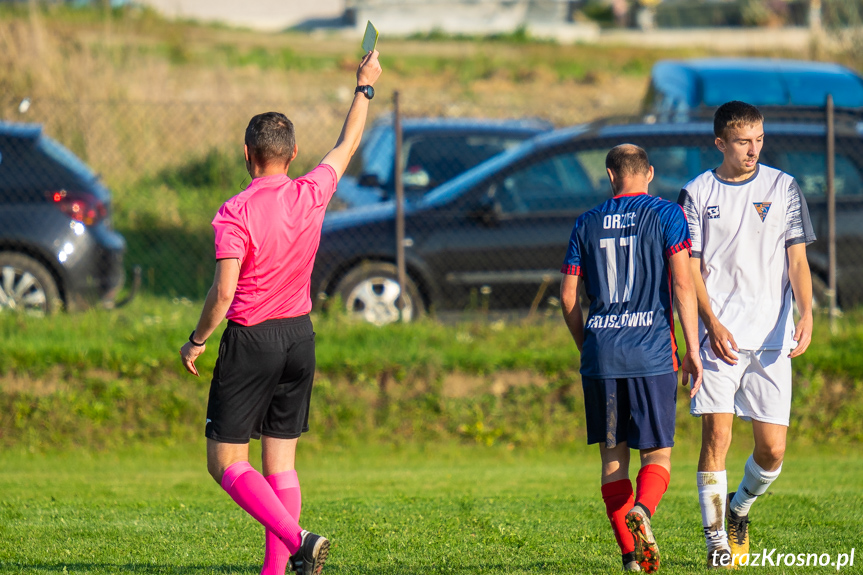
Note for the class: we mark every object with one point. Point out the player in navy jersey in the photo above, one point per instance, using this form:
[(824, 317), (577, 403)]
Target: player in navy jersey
[(632, 255)]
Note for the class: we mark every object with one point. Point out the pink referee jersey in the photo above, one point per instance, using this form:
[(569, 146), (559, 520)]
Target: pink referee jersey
[(274, 228)]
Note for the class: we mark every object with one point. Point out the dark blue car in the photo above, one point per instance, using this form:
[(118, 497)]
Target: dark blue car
[(496, 235), (681, 89)]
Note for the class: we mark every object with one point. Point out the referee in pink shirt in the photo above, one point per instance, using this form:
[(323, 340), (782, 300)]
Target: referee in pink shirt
[(266, 241)]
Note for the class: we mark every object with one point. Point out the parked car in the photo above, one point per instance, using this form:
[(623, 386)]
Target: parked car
[(686, 89), (57, 247), (497, 234), (435, 150)]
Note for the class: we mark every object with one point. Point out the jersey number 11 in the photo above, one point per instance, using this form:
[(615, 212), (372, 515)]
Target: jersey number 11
[(609, 246)]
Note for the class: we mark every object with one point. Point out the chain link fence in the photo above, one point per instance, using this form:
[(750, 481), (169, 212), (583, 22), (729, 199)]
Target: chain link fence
[(493, 240)]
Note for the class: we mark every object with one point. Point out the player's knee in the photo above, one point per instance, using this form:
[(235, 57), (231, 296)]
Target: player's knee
[(718, 438), (770, 456)]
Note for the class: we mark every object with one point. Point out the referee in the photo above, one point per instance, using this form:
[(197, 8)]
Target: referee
[(266, 241)]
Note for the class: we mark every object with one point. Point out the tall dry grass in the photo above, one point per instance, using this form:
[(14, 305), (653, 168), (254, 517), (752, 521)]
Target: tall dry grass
[(133, 94), (112, 94)]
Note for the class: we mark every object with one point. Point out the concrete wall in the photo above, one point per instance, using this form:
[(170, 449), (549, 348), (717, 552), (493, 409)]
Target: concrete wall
[(542, 18), (258, 14)]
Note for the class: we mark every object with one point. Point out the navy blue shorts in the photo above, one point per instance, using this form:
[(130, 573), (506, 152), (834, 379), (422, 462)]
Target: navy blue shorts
[(640, 411)]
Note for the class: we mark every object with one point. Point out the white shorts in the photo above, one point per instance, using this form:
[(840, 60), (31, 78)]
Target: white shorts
[(758, 387)]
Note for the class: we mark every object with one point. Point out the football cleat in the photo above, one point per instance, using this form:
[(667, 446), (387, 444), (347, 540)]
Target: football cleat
[(638, 522), (630, 563), (738, 531), (718, 553), (719, 558), (310, 559)]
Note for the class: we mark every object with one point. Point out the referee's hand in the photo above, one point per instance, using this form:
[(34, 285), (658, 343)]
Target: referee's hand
[(369, 69), (189, 353)]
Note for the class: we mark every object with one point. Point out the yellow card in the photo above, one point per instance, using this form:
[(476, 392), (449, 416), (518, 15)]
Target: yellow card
[(370, 38)]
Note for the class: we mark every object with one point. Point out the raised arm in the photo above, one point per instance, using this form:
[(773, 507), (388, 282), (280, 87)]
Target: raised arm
[(687, 310), (339, 157)]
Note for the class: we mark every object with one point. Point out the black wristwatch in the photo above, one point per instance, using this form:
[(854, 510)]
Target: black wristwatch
[(195, 343), (366, 91)]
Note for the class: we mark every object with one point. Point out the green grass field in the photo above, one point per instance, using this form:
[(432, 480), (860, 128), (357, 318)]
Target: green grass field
[(441, 509)]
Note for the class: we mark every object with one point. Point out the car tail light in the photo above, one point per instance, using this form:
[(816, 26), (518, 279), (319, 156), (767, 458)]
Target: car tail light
[(81, 207)]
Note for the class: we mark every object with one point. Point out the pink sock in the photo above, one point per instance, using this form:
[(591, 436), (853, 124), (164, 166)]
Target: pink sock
[(252, 492), (287, 488)]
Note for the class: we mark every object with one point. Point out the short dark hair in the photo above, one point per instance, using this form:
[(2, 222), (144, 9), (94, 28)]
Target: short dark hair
[(735, 114), (627, 160), (270, 137)]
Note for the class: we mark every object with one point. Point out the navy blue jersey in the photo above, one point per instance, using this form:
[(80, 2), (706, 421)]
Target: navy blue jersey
[(620, 249)]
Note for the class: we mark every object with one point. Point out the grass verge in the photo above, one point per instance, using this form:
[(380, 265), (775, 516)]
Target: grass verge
[(109, 378)]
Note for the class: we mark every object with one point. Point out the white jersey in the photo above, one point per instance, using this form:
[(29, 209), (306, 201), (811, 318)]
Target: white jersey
[(741, 232)]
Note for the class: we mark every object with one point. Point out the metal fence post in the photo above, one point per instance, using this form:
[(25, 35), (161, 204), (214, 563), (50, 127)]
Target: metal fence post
[(831, 212), (400, 208)]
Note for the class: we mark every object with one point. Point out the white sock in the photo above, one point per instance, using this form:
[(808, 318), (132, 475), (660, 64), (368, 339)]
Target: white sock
[(712, 491), (755, 482)]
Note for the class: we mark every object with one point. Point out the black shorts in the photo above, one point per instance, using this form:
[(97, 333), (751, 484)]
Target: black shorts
[(638, 410), (262, 382)]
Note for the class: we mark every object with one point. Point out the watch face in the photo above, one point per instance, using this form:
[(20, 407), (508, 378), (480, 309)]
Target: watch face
[(370, 92)]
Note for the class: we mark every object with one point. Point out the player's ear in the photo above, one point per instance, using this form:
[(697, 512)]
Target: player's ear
[(296, 149), (248, 159), (720, 143), (650, 174), (611, 178)]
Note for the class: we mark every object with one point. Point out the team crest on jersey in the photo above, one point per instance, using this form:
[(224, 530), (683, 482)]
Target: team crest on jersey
[(712, 212), (762, 208)]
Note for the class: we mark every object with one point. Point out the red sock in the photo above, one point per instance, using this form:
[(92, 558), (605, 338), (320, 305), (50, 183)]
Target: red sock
[(651, 485), (252, 492), (286, 485), (618, 500)]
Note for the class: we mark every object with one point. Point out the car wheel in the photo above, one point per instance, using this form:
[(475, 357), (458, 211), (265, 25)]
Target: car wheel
[(370, 291), (26, 286)]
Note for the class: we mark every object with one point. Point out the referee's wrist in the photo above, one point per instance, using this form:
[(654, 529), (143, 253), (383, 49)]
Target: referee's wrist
[(195, 343)]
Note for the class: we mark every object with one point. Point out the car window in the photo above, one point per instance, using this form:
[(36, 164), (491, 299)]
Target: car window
[(559, 182), (433, 160), (674, 166), (28, 171), (809, 169), (593, 162), (375, 155)]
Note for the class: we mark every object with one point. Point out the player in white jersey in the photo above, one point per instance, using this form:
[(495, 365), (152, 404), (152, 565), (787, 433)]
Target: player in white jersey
[(749, 226)]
